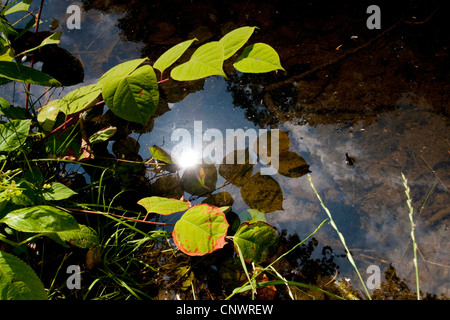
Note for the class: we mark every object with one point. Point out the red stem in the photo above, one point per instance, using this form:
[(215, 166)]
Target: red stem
[(36, 29)]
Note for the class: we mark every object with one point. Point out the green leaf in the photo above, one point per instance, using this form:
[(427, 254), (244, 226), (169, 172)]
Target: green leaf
[(132, 97), (48, 114), (102, 135), (40, 219), (206, 61), (258, 58), (257, 241), (164, 206), (201, 230), (12, 112), (53, 39), (21, 6), (85, 237), (262, 192), (79, 99), (250, 216), (200, 179), (172, 55), (121, 70), (234, 40), (57, 191), (13, 134), (18, 281), (18, 72), (160, 154)]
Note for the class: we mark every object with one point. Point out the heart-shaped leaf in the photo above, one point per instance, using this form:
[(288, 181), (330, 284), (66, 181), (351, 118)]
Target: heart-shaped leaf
[(200, 180), (172, 55), (160, 154), (201, 230), (258, 58), (133, 97), (164, 206), (262, 192), (257, 241), (79, 99), (206, 61)]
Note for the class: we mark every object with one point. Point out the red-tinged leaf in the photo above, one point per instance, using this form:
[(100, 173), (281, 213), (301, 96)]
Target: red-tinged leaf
[(201, 230), (257, 241), (164, 206)]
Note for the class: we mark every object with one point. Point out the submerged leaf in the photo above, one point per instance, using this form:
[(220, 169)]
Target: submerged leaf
[(201, 230), (262, 192), (200, 180)]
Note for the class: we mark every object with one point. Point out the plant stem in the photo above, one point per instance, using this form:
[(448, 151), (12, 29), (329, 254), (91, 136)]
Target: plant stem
[(341, 237), (413, 238), (36, 29)]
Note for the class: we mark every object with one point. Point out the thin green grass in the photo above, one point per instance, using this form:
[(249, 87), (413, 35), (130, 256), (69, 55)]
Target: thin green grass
[(253, 285), (341, 237)]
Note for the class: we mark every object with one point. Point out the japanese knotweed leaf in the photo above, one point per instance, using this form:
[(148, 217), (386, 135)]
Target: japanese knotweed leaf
[(201, 230), (160, 154), (18, 281), (234, 40), (40, 219), (13, 134), (263, 193), (206, 61), (79, 99), (258, 241), (121, 70), (133, 97), (258, 58), (172, 55), (102, 135), (18, 72), (164, 206), (200, 179)]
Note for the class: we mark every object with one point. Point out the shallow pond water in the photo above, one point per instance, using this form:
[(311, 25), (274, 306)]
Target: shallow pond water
[(384, 104)]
